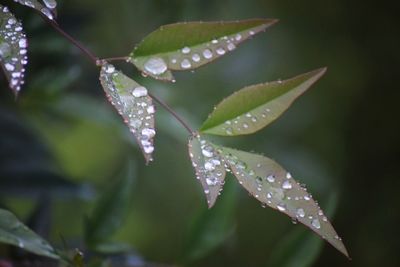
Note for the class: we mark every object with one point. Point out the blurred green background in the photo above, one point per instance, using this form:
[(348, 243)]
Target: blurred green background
[(62, 140)]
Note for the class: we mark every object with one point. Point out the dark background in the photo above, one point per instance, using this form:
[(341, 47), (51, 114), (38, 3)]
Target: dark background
[(341, 138)]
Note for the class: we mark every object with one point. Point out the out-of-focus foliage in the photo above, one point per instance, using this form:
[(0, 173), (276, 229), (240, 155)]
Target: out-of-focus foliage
[(343, 134)]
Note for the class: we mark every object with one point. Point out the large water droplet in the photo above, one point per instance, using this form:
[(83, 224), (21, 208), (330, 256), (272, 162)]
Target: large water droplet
[(50, 3), (139, 91), (300, 213), (207, 54), (286, 185), (185, 64), (316, 223), (155, 66)]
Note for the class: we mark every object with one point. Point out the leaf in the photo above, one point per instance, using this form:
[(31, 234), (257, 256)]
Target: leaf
[(189, 45), (209, 167), (254, 107), (268, 182), (212, 227), (110, 211), (134, 104), (13, 53), (299, 248), (48, 9), (14, 232)]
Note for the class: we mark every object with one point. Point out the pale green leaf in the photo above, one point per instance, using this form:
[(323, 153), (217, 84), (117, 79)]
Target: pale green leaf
[(14, 232), (268, 182), (110, 212), (134, 104), (47, 8), (189, 45), (209, 167), (254, 107), (13, 49)]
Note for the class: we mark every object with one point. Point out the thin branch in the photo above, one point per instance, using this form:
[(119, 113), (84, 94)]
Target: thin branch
[(71, 39), (109, 59), (173, 113)]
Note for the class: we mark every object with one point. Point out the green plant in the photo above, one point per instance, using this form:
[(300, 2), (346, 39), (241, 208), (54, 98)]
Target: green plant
[(180, 47)]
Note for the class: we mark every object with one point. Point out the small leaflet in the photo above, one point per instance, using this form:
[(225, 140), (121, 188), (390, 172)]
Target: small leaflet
[(48, 8), (134, 104), (209, 167), (268, 182), (13, 49)]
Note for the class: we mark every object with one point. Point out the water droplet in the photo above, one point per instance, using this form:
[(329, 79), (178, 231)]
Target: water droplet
[(196, 57), (186, 50), (221, 51), (148, 133), (231, 46), (238, 37), (281, 207), (207, 54), (110, 69), (316, 223), (50, 3), (286, 185), (155, 66), (135, 123), (151, 110), (207, 151), (300, 213), (185, 64), (229, 131), (288, 175), (139, 91), (271, 178)]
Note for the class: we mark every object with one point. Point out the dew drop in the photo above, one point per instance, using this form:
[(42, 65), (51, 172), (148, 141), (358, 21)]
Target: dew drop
[(196, 57), (207, 54), (185, 64), (300, 213), (186, 50), (155, 66), (271, 178), (281, 207), (286, 185), (221, 51), (50, 3), (139, 91), (316, 223), (231, 46)]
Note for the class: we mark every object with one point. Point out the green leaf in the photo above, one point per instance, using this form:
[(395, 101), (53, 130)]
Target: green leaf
[(209, 167), (268, 182), (48, 9), (14, 232), (254, 107), (13, 53), (211, 227), (134, 104), (189, 45), (110, 211), (299, 248)]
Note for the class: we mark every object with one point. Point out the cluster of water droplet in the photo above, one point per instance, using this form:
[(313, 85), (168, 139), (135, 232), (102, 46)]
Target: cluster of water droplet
[(133, 104), (13, 49), (210, 169), (47, 9), (192, 57), (241, 124), (278, 190)]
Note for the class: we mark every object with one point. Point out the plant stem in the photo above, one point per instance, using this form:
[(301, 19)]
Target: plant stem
[(72, 40), (173, 113), (96, 61)]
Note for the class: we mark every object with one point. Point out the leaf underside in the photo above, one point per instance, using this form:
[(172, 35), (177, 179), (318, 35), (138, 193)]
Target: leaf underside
[(134, 105), (13, 49), (209, 167), (14, 232), (254, 107), (189, 45), (48, 9), (269, 183)]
